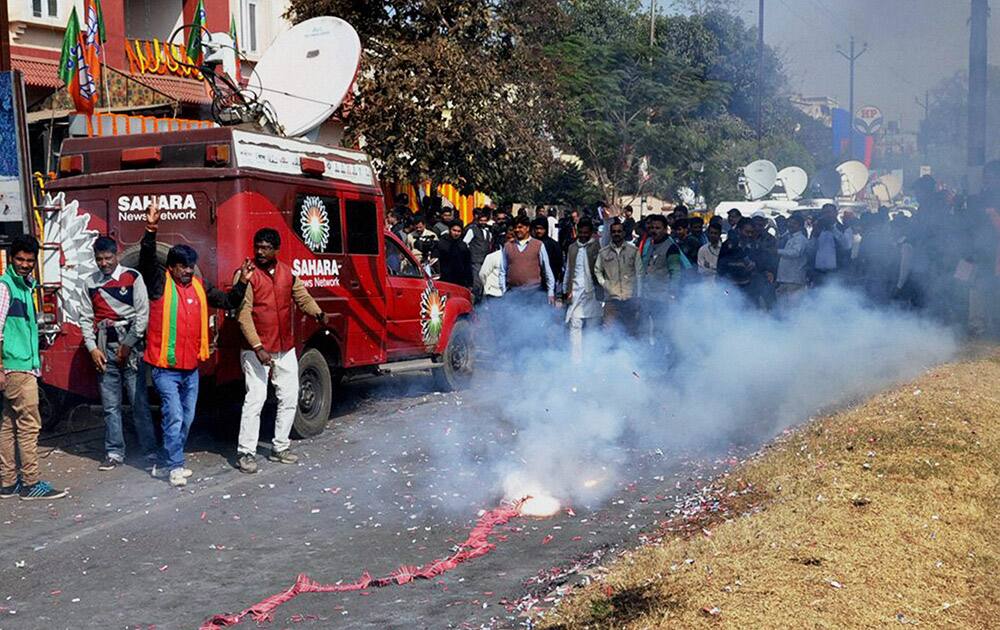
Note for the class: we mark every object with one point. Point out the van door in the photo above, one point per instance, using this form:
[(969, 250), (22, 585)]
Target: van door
[(407, 283), (338, 274)]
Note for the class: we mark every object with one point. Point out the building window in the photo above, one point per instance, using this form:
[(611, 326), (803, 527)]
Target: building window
[(252, 22), (45, 8)]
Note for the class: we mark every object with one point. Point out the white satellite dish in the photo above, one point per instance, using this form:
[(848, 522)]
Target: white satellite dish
[(853, 177), (887, 187), (757, 179), (687, 196), (306, 72), (794, 180)]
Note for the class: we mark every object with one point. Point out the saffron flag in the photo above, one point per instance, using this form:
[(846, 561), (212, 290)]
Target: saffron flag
[(74, 68), (194, 38), (94, 36)]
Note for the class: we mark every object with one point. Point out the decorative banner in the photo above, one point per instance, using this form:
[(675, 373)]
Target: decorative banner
[(15, 194), (154, 57), (868, 120)]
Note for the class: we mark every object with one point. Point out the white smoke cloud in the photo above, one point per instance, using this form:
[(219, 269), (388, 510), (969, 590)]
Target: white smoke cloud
[(733, 375)]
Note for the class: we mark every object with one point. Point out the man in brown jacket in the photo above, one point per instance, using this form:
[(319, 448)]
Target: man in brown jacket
[(266, 322), (617, 270)]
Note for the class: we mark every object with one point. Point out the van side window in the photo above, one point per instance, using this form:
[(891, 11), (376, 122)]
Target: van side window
[(363, 229), (316, 220), (399, 262)]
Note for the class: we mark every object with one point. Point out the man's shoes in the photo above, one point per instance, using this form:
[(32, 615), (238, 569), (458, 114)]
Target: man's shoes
[(39, 491), (11, 491), (163, 473), (109, 463), (177, 478), (247, 463), (283, 457)]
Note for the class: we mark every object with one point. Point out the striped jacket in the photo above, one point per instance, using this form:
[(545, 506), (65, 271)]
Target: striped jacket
[(118, 309)]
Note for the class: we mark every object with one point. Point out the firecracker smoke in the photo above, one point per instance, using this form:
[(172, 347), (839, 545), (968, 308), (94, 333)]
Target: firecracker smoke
[(720, 375)]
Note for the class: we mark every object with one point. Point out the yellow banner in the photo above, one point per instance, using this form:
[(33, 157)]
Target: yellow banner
[(154, 57)]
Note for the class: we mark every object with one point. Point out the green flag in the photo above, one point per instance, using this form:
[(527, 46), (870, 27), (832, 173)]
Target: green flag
[(68, 58), (232, 34), (194, 38)]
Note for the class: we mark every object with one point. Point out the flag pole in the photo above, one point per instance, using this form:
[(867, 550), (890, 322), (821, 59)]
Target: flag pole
[(104, 75)]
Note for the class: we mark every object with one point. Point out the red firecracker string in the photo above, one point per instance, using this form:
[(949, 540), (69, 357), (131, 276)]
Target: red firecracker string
[(476, 545)]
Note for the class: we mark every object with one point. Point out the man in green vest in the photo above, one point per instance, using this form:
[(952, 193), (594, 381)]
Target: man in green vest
[(20, 367)]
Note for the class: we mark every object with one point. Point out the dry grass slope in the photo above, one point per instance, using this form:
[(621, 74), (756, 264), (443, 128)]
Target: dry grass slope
[(883, 514)]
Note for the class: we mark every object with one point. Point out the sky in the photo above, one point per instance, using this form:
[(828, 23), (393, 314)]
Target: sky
[(912, 46)]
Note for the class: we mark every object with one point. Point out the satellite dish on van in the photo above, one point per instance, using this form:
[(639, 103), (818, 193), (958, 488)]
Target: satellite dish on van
[(757, 179), (307, 71), (853, 178), (826, 184), (887, 187), (794, 180)]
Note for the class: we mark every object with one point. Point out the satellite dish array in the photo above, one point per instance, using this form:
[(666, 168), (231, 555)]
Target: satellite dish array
[(299, 82), (761, 178)]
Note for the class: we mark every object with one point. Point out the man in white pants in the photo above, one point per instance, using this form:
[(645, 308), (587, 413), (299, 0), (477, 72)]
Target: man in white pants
[(583, 293), (266, 321)]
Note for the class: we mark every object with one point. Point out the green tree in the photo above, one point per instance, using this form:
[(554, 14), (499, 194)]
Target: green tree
[(451, 91)]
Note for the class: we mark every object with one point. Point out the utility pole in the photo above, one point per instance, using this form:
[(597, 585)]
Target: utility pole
[(652, 23), (760, 74), (852, 57), (978, 57), (922, 133), (4, 39)]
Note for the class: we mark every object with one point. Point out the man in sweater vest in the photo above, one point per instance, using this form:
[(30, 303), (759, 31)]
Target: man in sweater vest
[(266, 321), (19, 372), (113, 322), (524, 265), (177, 338)]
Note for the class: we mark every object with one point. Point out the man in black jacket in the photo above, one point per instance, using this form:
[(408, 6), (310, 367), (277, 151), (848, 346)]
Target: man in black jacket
[(479, 237), (540, 231), (453, 256)]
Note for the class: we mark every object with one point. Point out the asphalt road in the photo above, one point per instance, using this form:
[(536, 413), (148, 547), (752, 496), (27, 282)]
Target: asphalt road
[(371, 493)]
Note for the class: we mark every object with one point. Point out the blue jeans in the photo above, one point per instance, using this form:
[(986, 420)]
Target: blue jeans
[(178, 397), (132, 378)]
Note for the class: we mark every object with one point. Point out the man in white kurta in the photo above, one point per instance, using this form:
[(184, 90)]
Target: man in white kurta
[(584, 303)]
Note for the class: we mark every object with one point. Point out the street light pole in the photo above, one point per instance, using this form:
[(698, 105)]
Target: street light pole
[(978, 58), (652, 23), (852, 57), (760, 74)]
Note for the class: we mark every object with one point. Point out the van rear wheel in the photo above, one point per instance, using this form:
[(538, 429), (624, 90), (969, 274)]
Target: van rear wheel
[(315, 395)]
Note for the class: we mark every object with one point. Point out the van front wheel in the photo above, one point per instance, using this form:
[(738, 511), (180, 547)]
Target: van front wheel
[(458, 359), (315, 395)]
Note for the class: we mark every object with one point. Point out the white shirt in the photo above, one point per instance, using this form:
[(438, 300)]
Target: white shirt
[(708, 259), (584, 304), (489, 274)]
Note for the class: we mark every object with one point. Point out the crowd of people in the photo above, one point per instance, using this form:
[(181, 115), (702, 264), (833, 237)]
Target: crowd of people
[(603, 269), (607, 267)]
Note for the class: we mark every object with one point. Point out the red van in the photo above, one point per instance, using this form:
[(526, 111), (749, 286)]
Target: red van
[(216, 187)]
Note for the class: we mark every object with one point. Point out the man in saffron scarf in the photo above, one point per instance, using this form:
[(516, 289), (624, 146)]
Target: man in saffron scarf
[(177, 338)]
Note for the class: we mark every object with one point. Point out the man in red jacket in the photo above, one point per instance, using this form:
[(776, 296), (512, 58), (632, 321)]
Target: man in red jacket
[(266, 321), (177, 338)]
